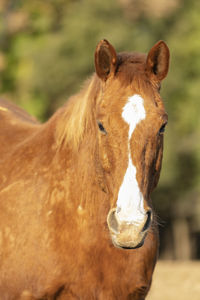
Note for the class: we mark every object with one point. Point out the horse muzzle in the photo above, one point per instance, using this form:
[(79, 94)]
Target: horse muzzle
[(128, 235)]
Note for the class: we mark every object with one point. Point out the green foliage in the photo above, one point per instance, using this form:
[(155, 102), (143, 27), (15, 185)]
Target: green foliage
[(181, 163), (52, 52)]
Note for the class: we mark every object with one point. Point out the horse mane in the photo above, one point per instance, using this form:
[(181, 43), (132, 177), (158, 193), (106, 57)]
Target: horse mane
[(76, 116)]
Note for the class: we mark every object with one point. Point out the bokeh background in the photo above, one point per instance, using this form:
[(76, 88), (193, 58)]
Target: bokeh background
[(46, 52)]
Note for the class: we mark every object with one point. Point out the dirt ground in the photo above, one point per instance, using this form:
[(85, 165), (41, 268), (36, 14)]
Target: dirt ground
[(174, 280)]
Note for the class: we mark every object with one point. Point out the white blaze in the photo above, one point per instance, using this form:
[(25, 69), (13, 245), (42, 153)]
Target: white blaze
[(130, 202)]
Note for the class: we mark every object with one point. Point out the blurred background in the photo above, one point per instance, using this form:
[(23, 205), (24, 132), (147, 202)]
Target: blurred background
[(46, 52)]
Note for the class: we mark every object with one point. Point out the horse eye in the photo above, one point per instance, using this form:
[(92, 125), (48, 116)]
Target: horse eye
[(162, 129), (101, 128)]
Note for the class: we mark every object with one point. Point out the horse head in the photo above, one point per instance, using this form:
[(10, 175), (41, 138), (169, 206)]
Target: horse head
[(131, 119)]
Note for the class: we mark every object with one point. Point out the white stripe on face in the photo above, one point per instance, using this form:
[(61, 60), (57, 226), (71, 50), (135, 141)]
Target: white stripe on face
[(130, 202)]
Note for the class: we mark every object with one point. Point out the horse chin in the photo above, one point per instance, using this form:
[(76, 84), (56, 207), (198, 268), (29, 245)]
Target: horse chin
[(131, 248), (128, 244)]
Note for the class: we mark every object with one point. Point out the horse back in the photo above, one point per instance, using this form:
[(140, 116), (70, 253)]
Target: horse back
[(16, 125)]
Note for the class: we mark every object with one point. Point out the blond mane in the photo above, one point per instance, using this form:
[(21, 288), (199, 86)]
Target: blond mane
[(76, 117)]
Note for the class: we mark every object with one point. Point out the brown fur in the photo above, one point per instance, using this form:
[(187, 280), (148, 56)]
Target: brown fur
[(58, 181)]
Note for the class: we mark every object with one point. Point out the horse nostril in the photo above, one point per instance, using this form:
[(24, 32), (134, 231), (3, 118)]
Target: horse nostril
[(148, 221), (112, 221)]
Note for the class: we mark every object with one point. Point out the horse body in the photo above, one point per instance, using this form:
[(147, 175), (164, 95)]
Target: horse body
[(59, 223)]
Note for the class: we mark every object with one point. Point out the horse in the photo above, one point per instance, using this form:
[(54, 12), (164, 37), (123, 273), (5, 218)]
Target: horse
[(76, 216)]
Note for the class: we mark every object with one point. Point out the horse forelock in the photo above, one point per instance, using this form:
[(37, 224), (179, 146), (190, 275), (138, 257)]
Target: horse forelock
[(131, 71)]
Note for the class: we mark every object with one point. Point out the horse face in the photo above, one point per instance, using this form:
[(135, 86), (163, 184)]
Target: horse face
[(131, 119)]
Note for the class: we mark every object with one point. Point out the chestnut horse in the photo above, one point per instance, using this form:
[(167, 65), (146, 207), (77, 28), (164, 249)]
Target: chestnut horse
[(76, 219)]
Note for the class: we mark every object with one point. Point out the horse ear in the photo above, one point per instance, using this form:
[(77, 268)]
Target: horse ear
[(105, 59), (157, 63)]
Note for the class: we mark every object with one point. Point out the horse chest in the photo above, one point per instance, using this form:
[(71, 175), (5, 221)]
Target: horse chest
[(107, 275)]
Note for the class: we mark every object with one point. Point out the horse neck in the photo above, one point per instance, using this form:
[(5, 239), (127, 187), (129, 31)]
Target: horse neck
[(76, 142), (75, 187)]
